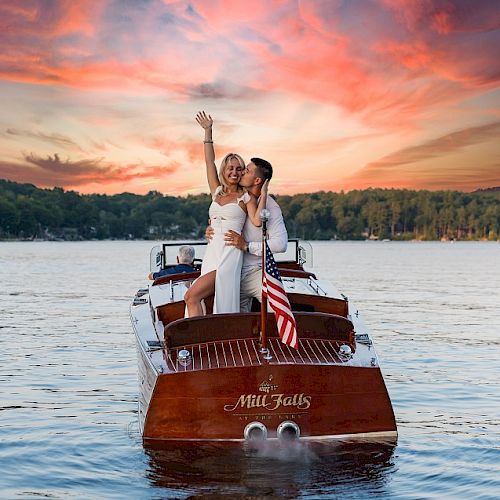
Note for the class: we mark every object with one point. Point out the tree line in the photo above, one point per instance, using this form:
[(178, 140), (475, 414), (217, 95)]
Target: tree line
[(28, 212)]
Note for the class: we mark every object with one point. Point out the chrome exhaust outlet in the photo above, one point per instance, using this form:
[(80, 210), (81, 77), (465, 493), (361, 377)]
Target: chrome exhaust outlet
[(255, 431), (288, 431)]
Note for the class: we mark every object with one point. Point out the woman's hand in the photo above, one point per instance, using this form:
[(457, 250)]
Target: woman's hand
[(204, 120)]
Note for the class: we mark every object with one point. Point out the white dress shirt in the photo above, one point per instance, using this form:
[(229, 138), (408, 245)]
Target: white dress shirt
[(276, 234)]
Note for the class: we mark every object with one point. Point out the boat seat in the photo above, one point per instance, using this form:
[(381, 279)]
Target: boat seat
[(289, 265), (175, 310), (188, 331), (176, 277), (296, 273), (171, 312), (285, 272), (316, 303)]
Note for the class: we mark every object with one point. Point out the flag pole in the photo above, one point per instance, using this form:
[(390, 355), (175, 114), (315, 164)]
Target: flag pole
[(264, 217)]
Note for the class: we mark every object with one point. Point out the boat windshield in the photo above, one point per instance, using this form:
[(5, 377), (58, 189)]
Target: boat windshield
[(305, 254), (165, 255)]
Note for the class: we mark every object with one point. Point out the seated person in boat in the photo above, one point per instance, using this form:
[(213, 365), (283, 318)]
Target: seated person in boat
[(184, 263)]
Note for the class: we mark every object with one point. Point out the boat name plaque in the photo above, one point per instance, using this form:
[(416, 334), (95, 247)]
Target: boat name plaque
[(271, 402)]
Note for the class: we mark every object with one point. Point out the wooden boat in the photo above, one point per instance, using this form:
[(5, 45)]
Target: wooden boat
[(206, 379)]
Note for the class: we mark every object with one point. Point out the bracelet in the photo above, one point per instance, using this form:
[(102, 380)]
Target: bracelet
[(208, 142)]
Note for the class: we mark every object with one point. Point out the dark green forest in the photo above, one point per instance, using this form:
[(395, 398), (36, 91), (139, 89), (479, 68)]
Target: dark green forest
[(28, 212)]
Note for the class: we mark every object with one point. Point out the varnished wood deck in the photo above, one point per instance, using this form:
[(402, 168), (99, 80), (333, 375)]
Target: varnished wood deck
[(245, 352)]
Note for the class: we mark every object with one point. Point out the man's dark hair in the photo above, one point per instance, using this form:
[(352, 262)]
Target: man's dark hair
[(265, 168)]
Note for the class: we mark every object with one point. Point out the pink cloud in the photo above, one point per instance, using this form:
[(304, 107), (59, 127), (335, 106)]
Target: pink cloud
[(28, 11), (388, 64), (233, 15), (445, 16), (410, 167), (377, 61), (77, 16), (52, 171), (192, 149), (52, 138), (79, 44), (167, 147), (379, 69)]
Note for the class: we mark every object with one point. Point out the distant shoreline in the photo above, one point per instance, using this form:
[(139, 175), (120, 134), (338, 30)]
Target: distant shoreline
[(39, 240), (28, 212)]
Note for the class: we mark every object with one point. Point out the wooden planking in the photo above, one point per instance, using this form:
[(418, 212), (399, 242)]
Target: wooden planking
[(245, 352), (343, 400), (317, 303), (225, 327)]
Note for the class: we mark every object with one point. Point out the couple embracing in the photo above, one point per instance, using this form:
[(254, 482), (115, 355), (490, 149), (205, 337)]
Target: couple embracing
[(232, 264)]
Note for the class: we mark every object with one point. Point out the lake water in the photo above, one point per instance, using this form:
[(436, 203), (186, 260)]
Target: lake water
[(68, 420)]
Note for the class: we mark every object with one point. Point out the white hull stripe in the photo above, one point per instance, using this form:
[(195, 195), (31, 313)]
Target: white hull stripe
[(332, 437)]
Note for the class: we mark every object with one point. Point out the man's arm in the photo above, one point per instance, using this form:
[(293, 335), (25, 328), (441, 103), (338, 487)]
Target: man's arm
[(276, 231), (159, 274), (277, 234)]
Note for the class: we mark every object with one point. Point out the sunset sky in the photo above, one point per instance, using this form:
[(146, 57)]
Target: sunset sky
[(100, 95)]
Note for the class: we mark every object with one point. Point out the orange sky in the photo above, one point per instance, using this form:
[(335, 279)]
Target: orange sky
[(101, 96)]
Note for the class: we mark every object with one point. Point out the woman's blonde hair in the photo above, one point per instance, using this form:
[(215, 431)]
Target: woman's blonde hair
[(225, 161)]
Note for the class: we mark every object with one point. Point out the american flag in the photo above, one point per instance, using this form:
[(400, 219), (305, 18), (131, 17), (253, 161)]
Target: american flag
[(273, 289)]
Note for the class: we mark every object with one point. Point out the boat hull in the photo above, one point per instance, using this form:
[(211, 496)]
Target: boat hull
[(208, 378), (217, 404)]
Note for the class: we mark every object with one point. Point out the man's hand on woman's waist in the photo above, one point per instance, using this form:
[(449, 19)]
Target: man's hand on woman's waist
[(209, 233), (232, 238)]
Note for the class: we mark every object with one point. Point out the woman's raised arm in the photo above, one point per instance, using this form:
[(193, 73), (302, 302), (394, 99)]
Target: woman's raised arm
[(206, 123)]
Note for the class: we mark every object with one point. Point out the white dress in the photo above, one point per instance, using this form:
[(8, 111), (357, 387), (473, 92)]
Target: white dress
[(226, 260)]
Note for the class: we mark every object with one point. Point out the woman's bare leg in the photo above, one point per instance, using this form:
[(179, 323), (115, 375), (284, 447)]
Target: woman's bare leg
[(202, 288)]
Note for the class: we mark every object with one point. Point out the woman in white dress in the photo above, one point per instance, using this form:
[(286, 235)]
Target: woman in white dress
[(231, 204)]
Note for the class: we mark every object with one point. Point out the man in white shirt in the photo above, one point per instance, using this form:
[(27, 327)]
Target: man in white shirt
[(250, 241)]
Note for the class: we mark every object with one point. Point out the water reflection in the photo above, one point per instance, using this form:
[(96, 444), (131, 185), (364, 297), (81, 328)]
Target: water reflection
[(273, 469)]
